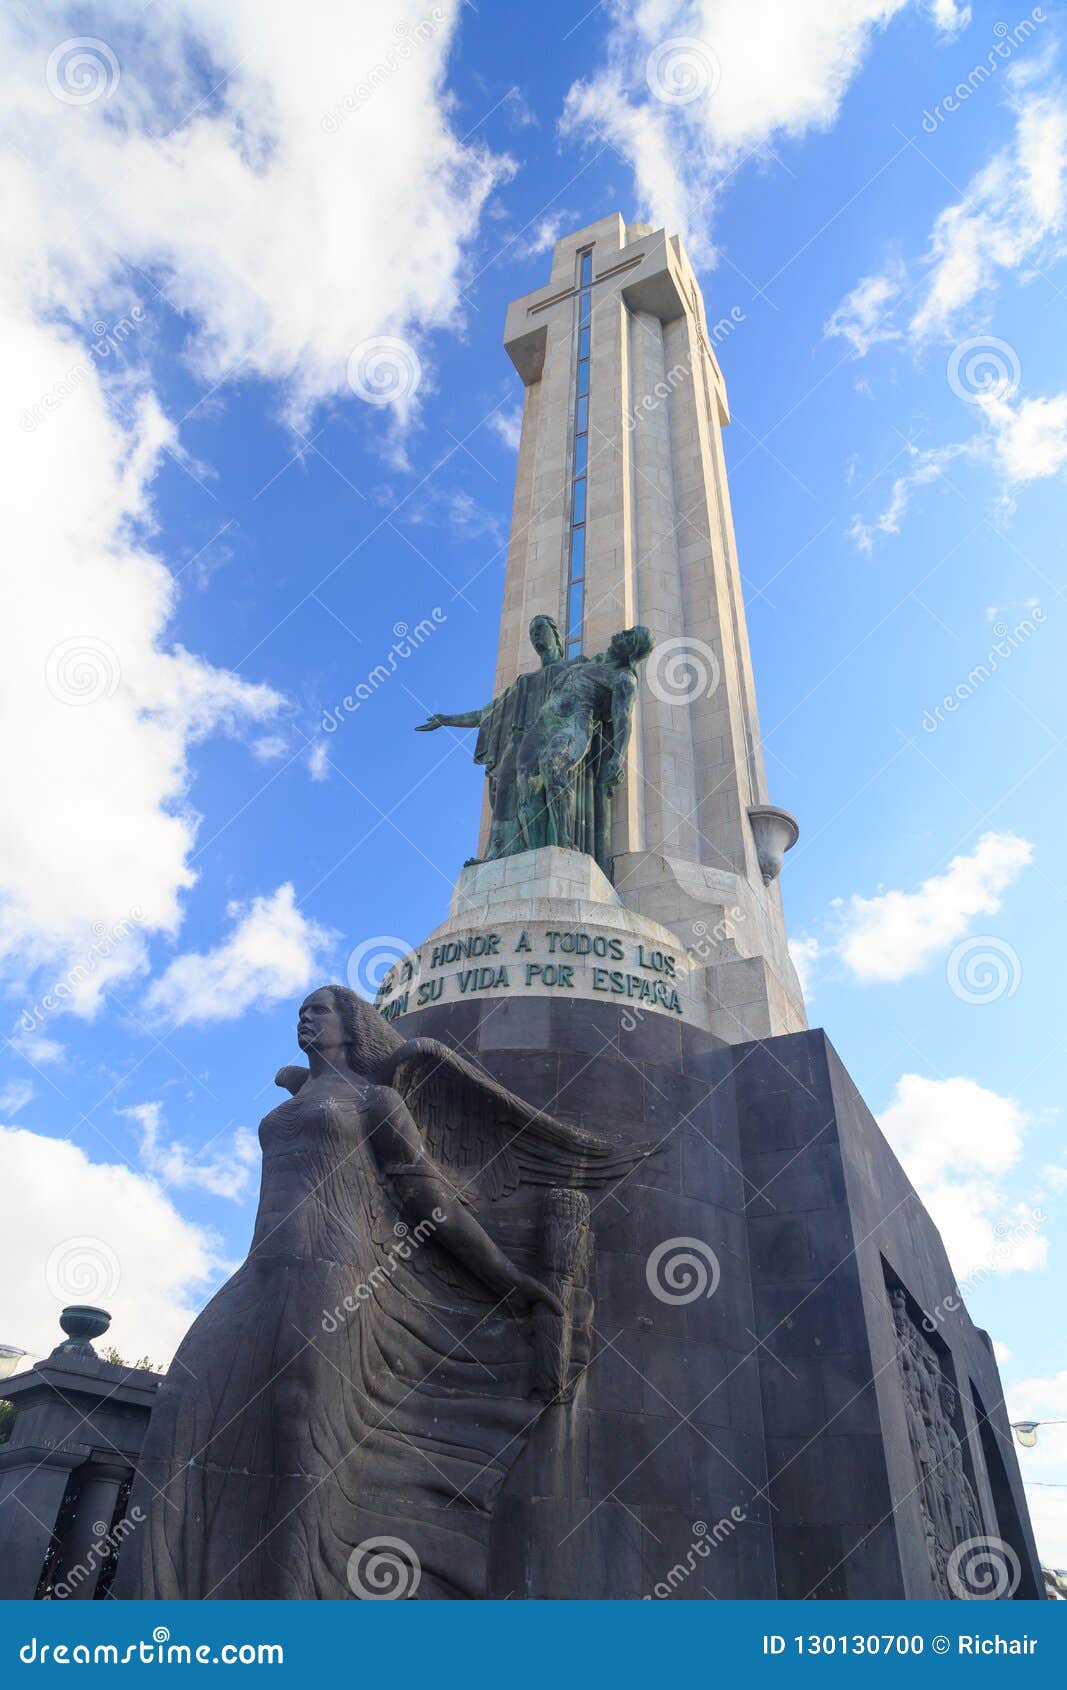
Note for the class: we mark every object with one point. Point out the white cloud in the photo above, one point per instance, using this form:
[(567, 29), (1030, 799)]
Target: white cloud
[(225, 1173), (15, 1096), (269, 748), (507, 425), (926, 466), (319, 760), (956, 1141), (1010, 218), (950, 15), (895, 934), (744, 96), (1029, 439), (472, 521), (805, 952), (544, 234), (288, 218), (1011, 211), (76, 1230), (864, 316), (1001, 1352), (37, 1048), (270, 954)]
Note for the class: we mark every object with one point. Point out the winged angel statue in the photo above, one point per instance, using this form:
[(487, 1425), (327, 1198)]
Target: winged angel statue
[(346, 1408)]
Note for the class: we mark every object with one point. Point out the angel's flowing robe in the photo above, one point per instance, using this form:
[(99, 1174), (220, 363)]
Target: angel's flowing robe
[(349, 1383)]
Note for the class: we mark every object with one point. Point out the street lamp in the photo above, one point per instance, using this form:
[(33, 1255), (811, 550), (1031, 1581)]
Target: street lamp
[(10, 1356), (1026, 1430)]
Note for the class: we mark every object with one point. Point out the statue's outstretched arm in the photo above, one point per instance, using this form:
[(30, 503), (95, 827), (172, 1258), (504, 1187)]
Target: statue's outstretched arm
[(430, 1202), (464, 719)]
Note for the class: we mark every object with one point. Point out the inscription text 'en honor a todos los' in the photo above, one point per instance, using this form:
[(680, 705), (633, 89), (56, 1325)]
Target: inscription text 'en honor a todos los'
[(535, 963)]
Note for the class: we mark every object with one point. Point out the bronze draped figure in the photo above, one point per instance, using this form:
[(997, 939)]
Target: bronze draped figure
[(415, 1295), (553, 745)]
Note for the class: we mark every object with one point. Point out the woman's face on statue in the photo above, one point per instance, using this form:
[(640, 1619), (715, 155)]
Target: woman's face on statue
[(319, 1026)]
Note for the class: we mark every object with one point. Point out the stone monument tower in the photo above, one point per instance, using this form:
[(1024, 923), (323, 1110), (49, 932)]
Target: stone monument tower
[(622, 515), (581, 1269)]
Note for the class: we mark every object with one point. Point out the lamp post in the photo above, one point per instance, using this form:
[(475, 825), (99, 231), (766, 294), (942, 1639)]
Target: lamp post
[(10, 1356), (1026, 1430)]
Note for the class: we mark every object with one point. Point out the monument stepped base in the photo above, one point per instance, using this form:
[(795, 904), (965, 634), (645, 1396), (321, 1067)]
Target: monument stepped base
[(547, 924), (753, 1402)]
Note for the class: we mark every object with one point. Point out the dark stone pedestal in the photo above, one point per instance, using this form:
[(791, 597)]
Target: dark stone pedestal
[(79, 1427), (766, 1439)]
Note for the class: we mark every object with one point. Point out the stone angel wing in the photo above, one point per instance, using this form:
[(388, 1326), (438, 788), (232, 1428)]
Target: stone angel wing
[(487, 1136)]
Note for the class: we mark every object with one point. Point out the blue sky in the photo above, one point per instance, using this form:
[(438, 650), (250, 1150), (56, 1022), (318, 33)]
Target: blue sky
[(216, 539)]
